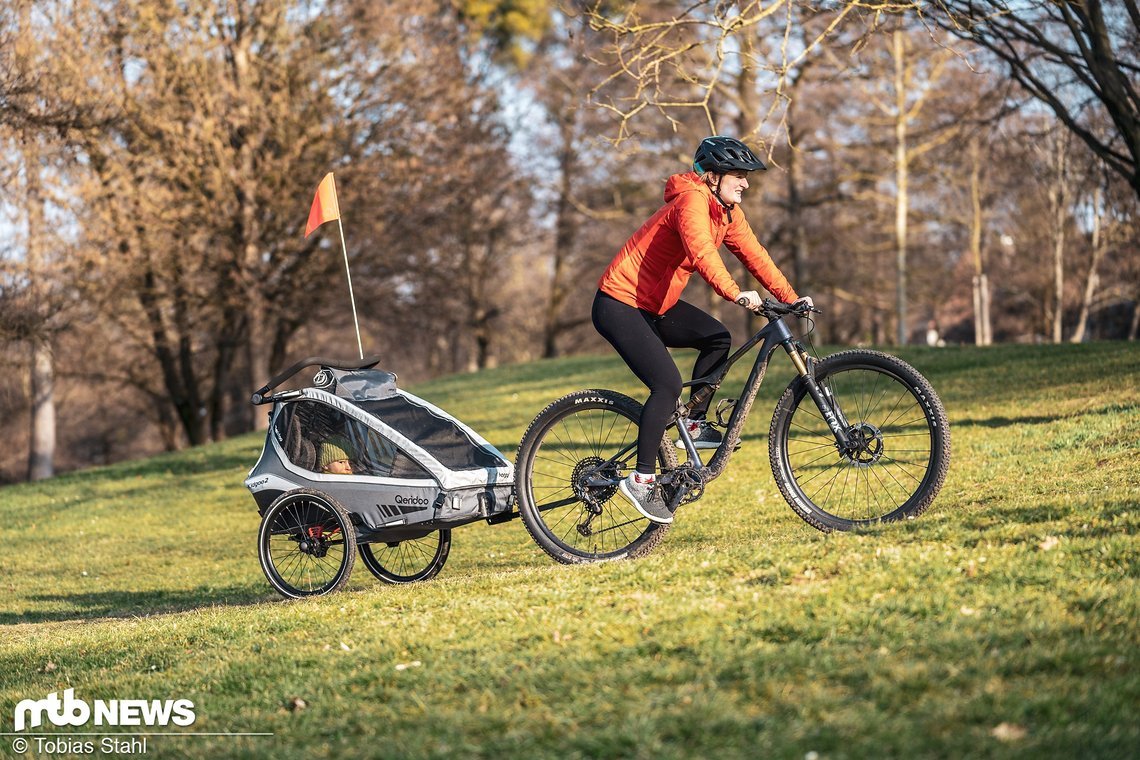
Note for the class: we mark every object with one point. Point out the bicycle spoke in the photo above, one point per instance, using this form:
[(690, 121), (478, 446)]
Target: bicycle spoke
[(581, 441), (879, 476)]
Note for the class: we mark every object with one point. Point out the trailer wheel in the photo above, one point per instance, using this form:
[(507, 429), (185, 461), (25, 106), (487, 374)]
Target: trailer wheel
[(407, 561), (306, 544)]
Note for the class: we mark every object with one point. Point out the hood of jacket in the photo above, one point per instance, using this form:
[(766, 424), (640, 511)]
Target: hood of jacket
[(681, 183), (691, 182)]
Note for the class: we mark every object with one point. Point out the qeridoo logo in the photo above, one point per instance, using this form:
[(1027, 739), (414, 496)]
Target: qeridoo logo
[(69, 711)]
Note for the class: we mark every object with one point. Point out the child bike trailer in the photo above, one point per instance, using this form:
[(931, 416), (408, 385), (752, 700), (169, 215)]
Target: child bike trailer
[(355, 464)]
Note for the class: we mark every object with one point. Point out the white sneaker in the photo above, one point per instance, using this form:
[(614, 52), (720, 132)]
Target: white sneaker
[(704, 435), (642, 492)]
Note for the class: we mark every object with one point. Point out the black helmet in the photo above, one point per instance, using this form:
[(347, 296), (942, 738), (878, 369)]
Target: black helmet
[(725, 154)]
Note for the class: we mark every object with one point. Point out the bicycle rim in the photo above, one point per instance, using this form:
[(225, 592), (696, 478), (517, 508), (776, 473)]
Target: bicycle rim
[(891, 470), (408, 561), (573, 444), (304, 547)]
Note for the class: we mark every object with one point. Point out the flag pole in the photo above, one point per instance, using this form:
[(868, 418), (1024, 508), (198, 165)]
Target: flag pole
[(351, 297)]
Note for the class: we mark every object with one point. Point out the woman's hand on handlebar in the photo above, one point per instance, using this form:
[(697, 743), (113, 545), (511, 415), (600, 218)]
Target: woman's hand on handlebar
[(750, 300), (804, 304)]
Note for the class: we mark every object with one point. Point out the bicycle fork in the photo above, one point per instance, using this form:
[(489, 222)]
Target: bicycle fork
[(820, 394)]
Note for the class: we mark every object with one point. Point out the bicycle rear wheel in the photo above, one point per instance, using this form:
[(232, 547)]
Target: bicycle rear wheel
[(903, 443), (568, 465)]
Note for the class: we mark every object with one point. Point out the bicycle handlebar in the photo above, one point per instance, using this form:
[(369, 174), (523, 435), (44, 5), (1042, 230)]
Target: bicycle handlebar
[(773, 309)]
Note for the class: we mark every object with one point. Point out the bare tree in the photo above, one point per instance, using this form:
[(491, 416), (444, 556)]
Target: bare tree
[(1070, 55), (678, 57), (1092, 279), (1059, 210), (904, 101), (983, 323), (42, 434)]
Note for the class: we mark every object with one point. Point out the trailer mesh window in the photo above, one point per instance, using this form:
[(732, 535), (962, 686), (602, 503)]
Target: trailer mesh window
[(439, 436), (308, 429)]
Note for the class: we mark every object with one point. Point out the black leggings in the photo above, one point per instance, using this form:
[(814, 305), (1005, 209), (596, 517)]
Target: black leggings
[(643, 339)]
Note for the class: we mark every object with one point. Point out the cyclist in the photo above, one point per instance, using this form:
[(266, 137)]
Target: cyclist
[(638, 309)]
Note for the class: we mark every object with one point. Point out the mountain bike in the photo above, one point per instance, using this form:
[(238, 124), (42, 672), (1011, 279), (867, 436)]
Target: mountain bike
[(857, 438)]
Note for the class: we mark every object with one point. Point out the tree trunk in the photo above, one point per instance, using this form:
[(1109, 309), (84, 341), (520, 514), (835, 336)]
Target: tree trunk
[(565, 231), (41, 441), (800, 274), (41, 454), (982, 329), (1093, 279), (482, 347), (283, 332), (987, 321), (248, 239), (177, 366), (1057, 196), (979, 332), (901, 197), (258, 340), (228, 346)]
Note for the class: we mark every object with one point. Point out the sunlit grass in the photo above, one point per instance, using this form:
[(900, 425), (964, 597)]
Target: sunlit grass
[(1001, 623)]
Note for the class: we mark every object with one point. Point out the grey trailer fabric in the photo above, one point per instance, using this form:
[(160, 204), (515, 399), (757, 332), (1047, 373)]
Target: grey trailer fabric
[(357, 384)]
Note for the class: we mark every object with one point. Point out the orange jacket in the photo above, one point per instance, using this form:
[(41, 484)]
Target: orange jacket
[(655, 264)]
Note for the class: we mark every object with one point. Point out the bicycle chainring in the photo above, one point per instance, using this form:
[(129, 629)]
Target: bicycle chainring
[(684, 486)]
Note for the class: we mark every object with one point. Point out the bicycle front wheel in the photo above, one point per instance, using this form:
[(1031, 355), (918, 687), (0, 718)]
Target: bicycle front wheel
[(568, 465), (901, 443)]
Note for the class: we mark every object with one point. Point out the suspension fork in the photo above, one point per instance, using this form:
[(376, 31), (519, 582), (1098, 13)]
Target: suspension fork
[(820, 394)]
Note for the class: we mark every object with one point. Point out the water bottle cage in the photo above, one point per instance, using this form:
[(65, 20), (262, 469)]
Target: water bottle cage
[(724, 409)]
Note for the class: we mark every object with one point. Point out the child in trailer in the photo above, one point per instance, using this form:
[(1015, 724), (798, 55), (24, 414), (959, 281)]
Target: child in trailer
[(335, 456)]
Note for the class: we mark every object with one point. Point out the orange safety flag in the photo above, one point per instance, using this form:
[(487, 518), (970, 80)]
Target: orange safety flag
[(325, 207)]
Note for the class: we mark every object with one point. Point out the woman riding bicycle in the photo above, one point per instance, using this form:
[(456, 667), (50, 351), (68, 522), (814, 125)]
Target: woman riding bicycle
[(638, 309)]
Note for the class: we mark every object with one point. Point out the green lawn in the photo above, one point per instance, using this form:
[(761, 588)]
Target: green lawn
[(1004, 622)]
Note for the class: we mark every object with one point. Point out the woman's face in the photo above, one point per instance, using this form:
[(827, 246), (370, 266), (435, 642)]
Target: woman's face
[(732, 186)]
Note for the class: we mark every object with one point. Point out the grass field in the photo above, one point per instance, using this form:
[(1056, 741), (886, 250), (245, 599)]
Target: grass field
[(1003, 623)]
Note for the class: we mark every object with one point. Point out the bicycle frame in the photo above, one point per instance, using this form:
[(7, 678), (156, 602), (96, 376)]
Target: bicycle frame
[(774, 335)]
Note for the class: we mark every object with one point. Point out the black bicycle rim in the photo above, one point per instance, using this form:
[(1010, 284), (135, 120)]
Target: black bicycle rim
[(407, 561), (312, 571), (892, 469), (572, 444)]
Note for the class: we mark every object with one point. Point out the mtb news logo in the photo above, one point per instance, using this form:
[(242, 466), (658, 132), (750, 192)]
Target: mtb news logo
[(69, 711)]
